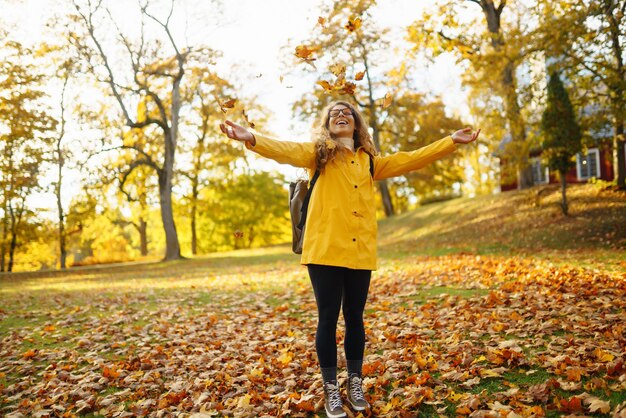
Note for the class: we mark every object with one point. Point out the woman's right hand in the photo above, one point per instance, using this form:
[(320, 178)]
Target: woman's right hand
[(238, 132)]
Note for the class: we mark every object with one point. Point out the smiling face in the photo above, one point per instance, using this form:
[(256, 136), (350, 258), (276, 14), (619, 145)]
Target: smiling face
[(341, 122)]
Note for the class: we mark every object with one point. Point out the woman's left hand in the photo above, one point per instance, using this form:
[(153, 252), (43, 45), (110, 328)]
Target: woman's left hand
[(465, 136)]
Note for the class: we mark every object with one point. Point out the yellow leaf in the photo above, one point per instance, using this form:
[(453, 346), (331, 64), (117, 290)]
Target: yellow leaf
[(455, 397), (338, 69), (353, 24), (286, 357), (479, 359), (326, 85), (244, 401), (387, 100), (604, 356)]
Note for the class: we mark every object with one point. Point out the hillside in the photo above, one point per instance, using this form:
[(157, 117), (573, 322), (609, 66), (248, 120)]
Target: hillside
[(518, 222)]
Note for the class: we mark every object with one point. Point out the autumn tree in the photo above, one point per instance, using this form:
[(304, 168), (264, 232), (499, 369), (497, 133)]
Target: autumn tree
[(155, 79), (586, 40), (352, 45), (561, 133), (137, 186), (493, 50), (24, 141), (208, 152), (412, 122), (247, 210)]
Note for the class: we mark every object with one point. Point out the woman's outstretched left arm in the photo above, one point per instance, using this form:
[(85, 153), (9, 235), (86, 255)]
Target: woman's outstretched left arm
[(406, 161)]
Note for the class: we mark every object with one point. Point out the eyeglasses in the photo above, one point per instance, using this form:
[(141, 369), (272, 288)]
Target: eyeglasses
[(335, 112)]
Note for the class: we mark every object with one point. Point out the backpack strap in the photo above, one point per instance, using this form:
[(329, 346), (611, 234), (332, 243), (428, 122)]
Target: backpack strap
[(307, 197)]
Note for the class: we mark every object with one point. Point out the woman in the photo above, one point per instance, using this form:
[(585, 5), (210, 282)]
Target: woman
[(339, 247)]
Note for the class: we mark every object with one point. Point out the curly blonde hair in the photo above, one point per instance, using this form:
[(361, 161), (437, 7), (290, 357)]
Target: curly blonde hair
[(323, 138)]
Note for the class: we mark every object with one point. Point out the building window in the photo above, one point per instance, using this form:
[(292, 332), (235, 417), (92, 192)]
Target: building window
[(541, 175), (588, 166)]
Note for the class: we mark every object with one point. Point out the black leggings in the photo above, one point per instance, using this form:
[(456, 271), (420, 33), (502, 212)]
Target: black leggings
[(332, 286)]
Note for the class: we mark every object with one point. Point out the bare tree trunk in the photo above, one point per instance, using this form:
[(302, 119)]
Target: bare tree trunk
[(13, 243), (564, 206), (143, 236), (172, 247), (619, 154), (62, 249), (194, 210), (58, 188), (3, 247), (617, 98), (12, 248), (382, 184), (517, 126)]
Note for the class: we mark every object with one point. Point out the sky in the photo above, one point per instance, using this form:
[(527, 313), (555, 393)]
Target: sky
[(252, 34)]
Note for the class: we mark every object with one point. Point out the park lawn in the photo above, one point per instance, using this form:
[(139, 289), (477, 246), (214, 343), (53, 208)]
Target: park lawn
[(456, 325)]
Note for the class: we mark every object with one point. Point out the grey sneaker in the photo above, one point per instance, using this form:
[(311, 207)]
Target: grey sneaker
[(333, 404), (355, 393)]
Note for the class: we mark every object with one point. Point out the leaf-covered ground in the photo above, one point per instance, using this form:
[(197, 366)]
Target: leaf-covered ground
[(450, 335)]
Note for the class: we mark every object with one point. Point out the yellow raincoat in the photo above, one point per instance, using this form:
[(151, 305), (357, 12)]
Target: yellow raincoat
[(341, 226)]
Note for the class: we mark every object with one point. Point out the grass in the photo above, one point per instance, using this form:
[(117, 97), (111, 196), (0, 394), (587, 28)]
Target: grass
[(517, 223), (422, 254)]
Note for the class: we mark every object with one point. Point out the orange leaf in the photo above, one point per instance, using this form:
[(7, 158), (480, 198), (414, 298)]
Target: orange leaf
[(49, 328), (463, 410), (571, 405), (29, 354), (573, 374), (359, 76), (111, 373), (348, 88), (228, 104), (306, 406), (304, 52), (321, 21)]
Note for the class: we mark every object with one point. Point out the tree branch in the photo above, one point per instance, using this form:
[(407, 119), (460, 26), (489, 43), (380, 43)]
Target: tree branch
[(130, 169), (91, 30)]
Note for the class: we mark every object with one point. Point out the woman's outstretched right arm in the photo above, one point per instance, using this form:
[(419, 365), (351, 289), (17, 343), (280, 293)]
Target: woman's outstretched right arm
[(298, 154)]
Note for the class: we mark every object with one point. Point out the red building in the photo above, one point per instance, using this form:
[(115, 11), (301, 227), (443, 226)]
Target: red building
[(596, 163)]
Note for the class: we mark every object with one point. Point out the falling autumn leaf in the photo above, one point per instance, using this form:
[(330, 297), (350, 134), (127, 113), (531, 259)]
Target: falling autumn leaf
[(245, 116), (353, 24), (387, 100), (359, 76), (305, 54), (325, 85), (338, 70), (321, 21), (228, 104), (348, 88)]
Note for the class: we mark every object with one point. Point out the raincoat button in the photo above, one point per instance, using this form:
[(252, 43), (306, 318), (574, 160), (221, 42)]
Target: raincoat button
[(355, 186), (352, 162), (353, 239)]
